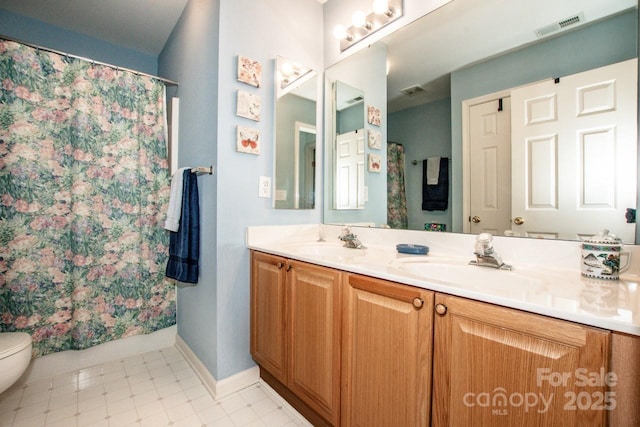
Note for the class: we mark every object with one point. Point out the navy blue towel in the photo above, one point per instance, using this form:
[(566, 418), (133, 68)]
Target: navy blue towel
[(436, 197), (184, 245)]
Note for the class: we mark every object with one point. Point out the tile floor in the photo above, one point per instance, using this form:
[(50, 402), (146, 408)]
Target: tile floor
[(158, 388)]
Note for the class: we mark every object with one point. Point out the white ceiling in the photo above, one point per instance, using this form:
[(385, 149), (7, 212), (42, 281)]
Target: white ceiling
[(142, 25)]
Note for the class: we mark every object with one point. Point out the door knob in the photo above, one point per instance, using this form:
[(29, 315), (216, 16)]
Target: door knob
[(518, 220), (441, 309), (475, 219), (418, 302)]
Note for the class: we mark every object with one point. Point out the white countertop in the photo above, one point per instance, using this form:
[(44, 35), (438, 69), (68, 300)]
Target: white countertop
[(545, 280)]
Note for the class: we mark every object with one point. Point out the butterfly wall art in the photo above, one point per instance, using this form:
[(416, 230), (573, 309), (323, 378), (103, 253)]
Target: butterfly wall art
[(247, 140), (249, 71)]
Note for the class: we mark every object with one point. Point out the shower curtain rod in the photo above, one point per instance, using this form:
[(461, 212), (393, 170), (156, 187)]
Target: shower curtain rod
[(93, 61)]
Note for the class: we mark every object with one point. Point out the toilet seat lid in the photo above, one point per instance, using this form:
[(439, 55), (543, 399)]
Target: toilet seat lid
[(13, 342)]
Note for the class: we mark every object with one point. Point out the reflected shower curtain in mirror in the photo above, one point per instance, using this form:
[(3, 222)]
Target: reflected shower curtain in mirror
[(84, 189), (396, 193)]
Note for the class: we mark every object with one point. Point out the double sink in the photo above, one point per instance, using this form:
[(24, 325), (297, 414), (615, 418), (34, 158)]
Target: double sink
[(449, 270)]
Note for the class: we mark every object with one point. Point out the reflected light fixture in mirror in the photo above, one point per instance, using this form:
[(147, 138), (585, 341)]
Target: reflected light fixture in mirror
[(291, 75), (362, 24)]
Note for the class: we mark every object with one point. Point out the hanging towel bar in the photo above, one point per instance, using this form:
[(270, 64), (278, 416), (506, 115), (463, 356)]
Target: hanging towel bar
[(202, 170)]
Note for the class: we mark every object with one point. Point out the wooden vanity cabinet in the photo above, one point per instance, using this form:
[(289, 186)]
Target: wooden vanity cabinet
[(352, 350), (386, 353), (295, 332), (494, 365), (268, 289)]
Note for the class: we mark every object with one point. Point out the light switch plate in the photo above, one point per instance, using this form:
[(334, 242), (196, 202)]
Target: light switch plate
[(264, 187)]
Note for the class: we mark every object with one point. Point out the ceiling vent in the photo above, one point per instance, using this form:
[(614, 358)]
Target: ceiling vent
[(355, 100), (413, 90), (560, 25)]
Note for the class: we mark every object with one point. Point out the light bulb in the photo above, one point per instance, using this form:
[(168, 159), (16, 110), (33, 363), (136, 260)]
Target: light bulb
[(287, 69), (359, 19), (381, 7), (340, 32)]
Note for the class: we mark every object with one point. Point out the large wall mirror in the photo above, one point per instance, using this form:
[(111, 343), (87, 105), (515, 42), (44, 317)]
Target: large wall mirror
[(295, 139), (468, 64)]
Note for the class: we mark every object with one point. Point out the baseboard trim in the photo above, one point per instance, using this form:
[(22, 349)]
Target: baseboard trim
[(73, 360), (222, 388)]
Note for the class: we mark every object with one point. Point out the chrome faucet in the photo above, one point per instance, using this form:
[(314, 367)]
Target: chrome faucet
[(350, 240), (486, 256)]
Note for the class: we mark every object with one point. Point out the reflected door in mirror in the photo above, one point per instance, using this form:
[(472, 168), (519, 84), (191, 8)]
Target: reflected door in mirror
[(305, 166), (490, 166), (574, 146), (350, 170)]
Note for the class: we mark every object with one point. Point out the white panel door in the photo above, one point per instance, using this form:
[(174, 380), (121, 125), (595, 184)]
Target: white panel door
[(574, 145), (350, 170), (490, 167)]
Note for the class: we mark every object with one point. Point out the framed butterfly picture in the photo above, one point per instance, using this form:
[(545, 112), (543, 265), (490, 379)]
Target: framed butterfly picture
[(375, 163), (249, 71), (247, 140), (374, 115), (374, 139), (248, 105)]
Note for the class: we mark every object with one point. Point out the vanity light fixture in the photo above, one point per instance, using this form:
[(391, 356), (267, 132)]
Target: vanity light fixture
[(290, 75), (384, 12)]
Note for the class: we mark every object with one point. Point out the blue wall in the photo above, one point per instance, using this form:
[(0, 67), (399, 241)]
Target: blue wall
[(190, 57), (36, 32), (596, 45), (213, 317), (350, 119), (425, 131)]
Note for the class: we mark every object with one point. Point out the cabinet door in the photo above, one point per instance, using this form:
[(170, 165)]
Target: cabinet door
[(268, 278), (495, 366), (386, 370), (313, 300)]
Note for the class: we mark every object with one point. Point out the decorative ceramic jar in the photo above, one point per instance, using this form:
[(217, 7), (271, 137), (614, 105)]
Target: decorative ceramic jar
[(601, 257)]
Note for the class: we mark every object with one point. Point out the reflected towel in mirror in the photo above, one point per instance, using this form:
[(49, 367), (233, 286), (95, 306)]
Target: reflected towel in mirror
[(436, 197)]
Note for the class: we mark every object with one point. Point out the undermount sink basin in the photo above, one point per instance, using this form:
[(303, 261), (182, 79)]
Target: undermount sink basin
[(461, 273), (328, 251)]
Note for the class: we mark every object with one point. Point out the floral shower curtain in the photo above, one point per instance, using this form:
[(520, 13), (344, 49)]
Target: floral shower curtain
[(84, 188), (396, 195)]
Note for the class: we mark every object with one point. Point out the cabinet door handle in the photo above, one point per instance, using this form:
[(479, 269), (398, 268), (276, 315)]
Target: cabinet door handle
[(280, 265), (289, 267), (441, 309), (418, 302)]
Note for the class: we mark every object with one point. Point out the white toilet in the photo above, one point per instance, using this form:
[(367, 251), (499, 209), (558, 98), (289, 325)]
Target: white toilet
[(15, 355)]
